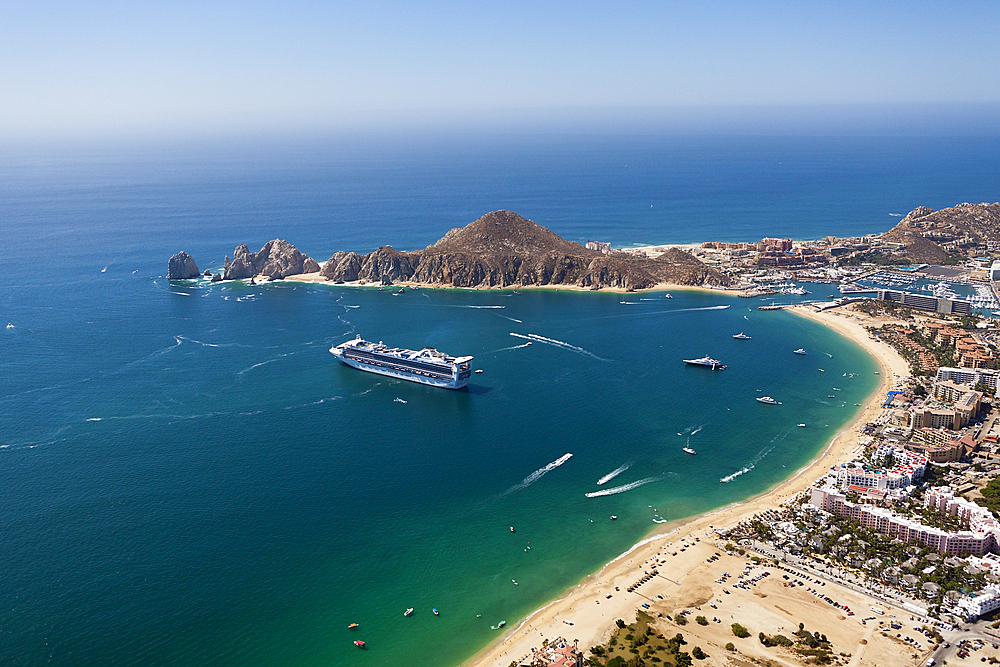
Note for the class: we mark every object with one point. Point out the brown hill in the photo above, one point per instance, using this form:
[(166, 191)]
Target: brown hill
[(503, 249), (928, 234)]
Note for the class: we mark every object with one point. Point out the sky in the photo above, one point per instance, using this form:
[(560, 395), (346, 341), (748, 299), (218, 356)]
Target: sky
[(92, 68)]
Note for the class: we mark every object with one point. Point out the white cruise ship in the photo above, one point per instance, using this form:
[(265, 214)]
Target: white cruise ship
[(426, 366)]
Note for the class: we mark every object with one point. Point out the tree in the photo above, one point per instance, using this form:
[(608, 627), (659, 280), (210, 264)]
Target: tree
[(740, 631), (680, 619), (621, 624), (697, 653), (730, 646)]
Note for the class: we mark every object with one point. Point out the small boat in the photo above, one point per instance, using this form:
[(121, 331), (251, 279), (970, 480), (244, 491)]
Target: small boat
[(402, 290), (512, 529), (800, 351), (741, 336), (766, 399), (830, 396), (436, 613), (352, 626), (515, 582), (614, 516), (668, 296), (359, 643), (801, 425), (408, 611), (689, 450), (876, 372), (399, 400), (501, 624), (10, 325), (479, 370)]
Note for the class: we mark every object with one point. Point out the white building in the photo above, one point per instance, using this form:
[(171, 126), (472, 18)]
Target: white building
[(981, 602)]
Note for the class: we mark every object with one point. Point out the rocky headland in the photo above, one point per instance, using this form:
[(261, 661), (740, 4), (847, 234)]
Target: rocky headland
[(930, 236), (276, 260), (503, 249)]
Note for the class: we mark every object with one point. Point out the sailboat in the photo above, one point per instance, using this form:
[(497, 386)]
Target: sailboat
[(688, 449)]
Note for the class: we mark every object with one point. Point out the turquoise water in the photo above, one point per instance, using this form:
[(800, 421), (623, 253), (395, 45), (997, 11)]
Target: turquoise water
[(187, 476), (220, 489)]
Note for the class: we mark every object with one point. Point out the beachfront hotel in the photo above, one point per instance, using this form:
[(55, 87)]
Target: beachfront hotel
[(907, 469), (911, 531)]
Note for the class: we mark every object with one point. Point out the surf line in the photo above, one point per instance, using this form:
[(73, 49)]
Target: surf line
[(537, 475)]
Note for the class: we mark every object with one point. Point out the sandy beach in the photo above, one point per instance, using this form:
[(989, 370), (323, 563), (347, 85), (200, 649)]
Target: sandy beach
[(587, 612)]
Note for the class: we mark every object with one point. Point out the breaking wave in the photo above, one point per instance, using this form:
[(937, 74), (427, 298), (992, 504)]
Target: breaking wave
[(537, 475), (614, 473), (621, 489), (557, 343)]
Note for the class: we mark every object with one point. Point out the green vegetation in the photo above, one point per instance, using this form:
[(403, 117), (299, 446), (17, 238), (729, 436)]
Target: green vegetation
[(701, 620), (698, 654), (730, 646), (991, 495), (740, 631), (680, 619)]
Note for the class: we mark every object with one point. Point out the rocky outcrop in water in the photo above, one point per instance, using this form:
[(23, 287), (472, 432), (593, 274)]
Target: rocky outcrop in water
[(182, 267), (276, 260), (503, 249)]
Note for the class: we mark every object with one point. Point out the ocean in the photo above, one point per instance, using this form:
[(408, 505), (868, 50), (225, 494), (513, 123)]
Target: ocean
[(189, 477)]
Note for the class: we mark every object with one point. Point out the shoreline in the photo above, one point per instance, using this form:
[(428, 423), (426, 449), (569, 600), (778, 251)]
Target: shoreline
[(592, 624)]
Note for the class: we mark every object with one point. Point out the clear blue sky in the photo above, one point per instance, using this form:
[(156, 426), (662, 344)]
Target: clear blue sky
[(70, 68)]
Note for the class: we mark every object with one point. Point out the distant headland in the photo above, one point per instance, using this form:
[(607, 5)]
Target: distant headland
[(504, 249)]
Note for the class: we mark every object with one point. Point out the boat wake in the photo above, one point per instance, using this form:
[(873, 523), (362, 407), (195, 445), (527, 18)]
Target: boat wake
[(621, 489), (480, 307), (614, 473), (510, 318), (512, 347), (745, 469), (538, 474), (557, 343), (94, 419)]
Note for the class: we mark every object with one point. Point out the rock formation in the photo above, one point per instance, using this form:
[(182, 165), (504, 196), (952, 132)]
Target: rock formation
[(276, 260), (181, 267), (929, 235), (503, 249)]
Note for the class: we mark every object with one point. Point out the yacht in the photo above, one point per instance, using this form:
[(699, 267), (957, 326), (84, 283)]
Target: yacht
[(800, 351), (767, 399), (741, 336), (714, 364)]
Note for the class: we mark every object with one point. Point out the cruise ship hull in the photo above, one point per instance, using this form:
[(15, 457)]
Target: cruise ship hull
[(447, 383), (427, 366)]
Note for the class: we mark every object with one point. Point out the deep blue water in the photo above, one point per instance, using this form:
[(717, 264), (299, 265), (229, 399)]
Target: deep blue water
[(188, 477)]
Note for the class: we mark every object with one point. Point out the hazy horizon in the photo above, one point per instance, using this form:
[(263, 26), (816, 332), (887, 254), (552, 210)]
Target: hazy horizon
[(82, 70)]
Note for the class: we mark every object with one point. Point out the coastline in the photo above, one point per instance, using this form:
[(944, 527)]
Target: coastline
[(586, 613)]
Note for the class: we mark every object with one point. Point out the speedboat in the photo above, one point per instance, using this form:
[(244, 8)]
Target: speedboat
[(359, 643), (434, 609), (408, 611), (689, 450), (741, 336), (501, 624), (614, 516), (800, 351), (766, 399), (352, 626), (801, 425), (479, 370)]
